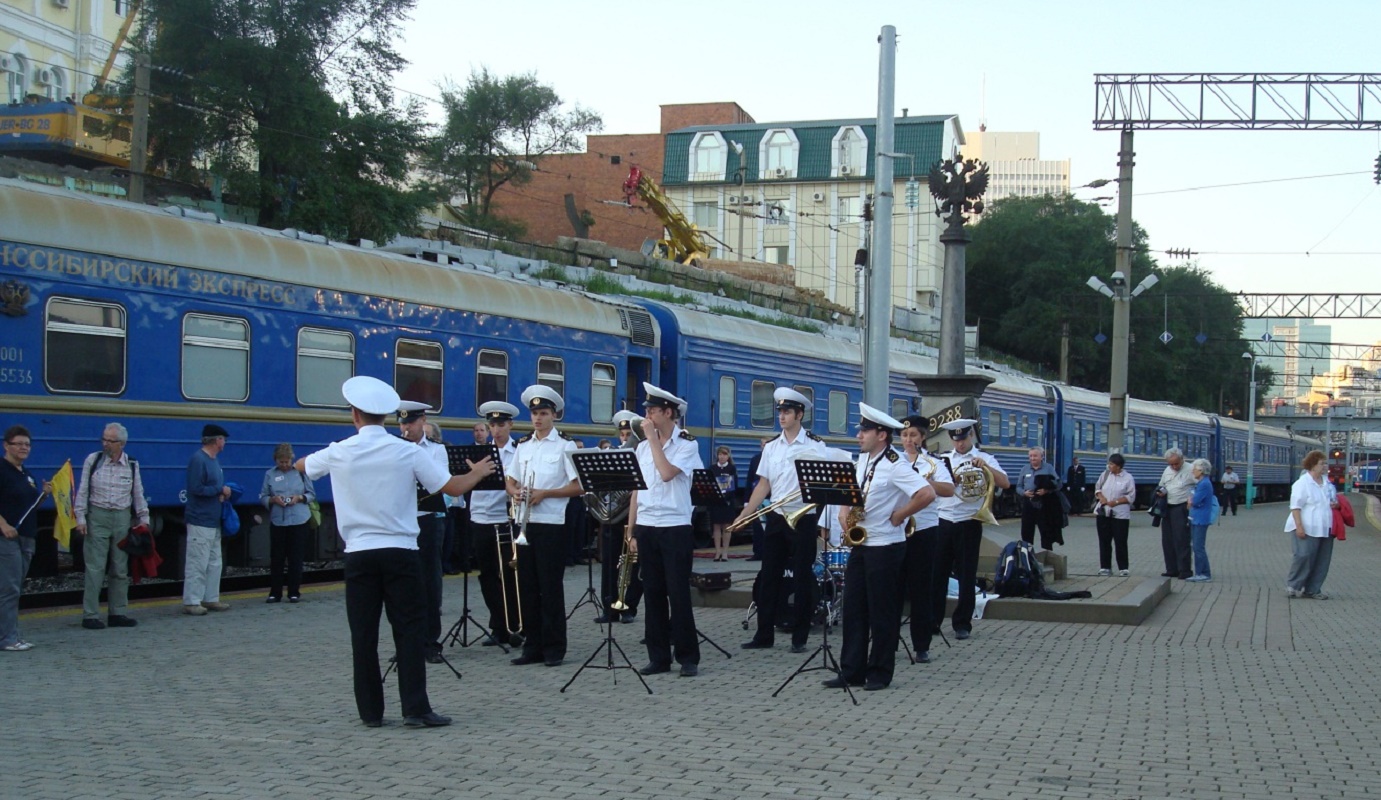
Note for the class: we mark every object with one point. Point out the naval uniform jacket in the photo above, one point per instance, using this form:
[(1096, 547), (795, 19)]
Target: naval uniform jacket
[(778, 464), (890, 483), (956, 508), (545, 464), (667, 504)]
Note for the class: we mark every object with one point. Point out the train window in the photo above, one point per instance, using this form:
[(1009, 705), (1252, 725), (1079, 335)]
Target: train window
[(215, 358), (1078, 432), (417, 370), (325, 360), (551, 373), (604, 381), (491, 377), (1040, 432), (1011, 437), (84, 347), (1102, 442), (1018, 429), (839, 412), (761, 410), (728, 391), (995, 426)]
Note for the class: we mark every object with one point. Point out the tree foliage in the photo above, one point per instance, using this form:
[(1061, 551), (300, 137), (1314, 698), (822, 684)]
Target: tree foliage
[(496, 132), (289, 102), (1027, 271)]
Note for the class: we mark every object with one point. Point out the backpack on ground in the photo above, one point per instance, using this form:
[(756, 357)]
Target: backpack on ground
[(1018, 573)]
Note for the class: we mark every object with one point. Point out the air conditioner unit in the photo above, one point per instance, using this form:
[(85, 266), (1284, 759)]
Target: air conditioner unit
[(60, 3), (846, 170), (818, 197), (733, 199), (45, 75), (781, 172), (747, 200), (6, 63)]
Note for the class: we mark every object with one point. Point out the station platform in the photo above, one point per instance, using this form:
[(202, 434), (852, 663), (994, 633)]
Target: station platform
[(1226, 690)]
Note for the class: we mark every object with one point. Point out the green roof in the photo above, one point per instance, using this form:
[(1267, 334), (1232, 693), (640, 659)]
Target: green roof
[(922, 137)]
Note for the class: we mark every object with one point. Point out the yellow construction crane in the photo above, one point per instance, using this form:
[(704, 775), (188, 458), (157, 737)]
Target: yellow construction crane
[(683, 243)]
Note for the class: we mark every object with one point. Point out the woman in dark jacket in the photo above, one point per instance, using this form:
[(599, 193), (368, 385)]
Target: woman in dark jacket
[(726, 475)]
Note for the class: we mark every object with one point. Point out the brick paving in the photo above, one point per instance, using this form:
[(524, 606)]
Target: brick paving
[(1229, 690)]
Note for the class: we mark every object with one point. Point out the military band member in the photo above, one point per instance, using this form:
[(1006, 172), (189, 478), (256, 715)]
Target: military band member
[(431, 520), (960, 533), (892, 493), (543, 476), (926, 586), (783, 546), (612, 539), (374, 479), (489, 514), (659, 522)]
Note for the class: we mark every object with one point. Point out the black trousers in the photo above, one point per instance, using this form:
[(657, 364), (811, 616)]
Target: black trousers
[(542, 572), (495, 577), (783, 547), (286, 544), (1043, 518), (924, 585), (872, 610), (1112, 532), (611, 539), (664, 558), (961, 540), (1174, 540), (388, 579), (429, 540), (1230, 495)]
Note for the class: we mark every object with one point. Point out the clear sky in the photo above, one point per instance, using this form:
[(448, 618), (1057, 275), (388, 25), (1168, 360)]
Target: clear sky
[(818, 60)]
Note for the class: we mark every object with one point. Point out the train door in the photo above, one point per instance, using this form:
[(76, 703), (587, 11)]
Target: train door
[(639, 371)]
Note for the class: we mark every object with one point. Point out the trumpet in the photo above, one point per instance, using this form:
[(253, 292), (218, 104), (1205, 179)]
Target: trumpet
[(626, 563), (795, 495)]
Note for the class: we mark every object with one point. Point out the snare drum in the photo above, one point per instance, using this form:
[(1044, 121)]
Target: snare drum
[(836, 558)]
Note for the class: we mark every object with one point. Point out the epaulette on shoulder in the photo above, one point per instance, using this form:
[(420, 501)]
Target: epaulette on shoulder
[(811, 435), (563, 435), (527, 438), (892, 455), (686, 435)]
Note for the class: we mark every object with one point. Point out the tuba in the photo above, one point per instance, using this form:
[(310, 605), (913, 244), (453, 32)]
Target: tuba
[(608, 508), (974, 481)]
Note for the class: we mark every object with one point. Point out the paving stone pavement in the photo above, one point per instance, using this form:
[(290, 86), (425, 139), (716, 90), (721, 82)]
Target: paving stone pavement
[(1229, 690)]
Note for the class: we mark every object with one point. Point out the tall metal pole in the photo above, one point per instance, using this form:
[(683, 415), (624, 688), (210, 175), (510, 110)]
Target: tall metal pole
[(139, 136), (742, 181), (879, 314), (1122, 302), (1251, 436)]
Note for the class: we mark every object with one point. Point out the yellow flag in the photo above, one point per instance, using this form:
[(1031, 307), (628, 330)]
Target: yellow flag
[(62, 498)]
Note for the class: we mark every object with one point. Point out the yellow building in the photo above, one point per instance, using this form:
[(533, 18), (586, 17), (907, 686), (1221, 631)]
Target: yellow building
[(1015, 166), (56, 48)]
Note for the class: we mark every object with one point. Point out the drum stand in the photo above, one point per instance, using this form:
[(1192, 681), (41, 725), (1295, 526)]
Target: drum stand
[(609, 645), (460, 631), (827, 662)]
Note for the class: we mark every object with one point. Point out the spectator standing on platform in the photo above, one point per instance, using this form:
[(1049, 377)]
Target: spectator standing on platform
[(1076, 482), (1040, 503), (1230, 483), (1200, 518), (1176, 486), (725, 475), (20, 492), (375, 478), (1311, 522), (206, 490), (287, 494), (110, 498), (1115, 492)]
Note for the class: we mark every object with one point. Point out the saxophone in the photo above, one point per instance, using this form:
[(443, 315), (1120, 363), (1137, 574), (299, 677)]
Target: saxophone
[(854, 532)]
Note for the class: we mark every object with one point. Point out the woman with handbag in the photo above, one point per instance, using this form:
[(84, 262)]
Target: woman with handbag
[(287, 494), (1115, 492)]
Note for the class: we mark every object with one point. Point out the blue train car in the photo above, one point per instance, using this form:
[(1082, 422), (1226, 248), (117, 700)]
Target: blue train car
[(117, 312)]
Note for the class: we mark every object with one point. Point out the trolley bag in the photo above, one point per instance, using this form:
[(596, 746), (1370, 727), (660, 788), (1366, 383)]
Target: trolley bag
[(1018, 573)]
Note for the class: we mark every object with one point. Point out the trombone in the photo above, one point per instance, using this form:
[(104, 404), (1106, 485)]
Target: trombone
[(765, 510), (513, 534)]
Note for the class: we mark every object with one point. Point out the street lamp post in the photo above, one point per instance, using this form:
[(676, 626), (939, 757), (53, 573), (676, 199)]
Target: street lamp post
[(1122, 299), (742, 180), (1251, 431)]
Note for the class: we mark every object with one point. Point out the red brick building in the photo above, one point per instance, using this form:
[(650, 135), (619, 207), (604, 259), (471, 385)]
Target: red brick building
[(597, 175)]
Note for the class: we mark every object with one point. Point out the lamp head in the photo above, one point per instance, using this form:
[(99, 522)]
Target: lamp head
[(1118, 279)]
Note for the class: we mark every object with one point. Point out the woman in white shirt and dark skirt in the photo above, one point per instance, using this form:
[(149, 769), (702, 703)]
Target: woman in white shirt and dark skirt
[(1311, 521), (1115, 492)]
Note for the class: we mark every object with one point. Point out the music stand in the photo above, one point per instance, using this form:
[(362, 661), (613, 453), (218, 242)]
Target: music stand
[(607, 471), (826, 483), (705, 491), (456, 457)]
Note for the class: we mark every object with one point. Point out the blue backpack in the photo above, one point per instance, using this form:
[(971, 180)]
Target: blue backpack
[(1018, 573)]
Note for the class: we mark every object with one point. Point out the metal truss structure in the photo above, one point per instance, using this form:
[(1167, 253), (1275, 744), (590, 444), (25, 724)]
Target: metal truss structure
[(1317, 351), (1310, 306), (1237, 101)]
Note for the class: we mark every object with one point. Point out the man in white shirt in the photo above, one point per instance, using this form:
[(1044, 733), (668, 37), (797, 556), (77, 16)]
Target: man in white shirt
[(783, 545), (961, 532), (431, 521), (659, 524), (892, 493), (374, 477), (488, 519), (543, 476), (1176, 486), (1230, 483)]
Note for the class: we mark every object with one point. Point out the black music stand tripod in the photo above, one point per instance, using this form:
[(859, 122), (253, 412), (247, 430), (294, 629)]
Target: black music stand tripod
[(825, 483), (705, 492), (458, 457), (460, 631), (589, 595), (608, 471)]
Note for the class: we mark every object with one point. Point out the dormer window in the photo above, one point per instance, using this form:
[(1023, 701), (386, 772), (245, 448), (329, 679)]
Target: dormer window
[(709, 155), (779, 154), (849, 155)]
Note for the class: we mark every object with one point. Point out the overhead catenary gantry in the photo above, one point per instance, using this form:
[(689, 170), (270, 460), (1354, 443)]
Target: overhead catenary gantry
[(1238, 101)]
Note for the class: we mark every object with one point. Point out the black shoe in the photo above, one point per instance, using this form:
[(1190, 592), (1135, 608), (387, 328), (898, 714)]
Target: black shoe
[(962, 635), (525, 659), (93, 624), (874, 686), (922, 656), (605, 619), (1167, 575), (690, 670), (273, 599), (119, 621), (489, 641), (373, 723), (292, 598), (753, 558), (755, 645), (628, 616), (838, 682), (654, 669), (553, 662), (434, 657), (798, 648), (515, 640), (431, 719)]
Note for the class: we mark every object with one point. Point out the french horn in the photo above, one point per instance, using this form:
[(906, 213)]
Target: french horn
[(974, 481)]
